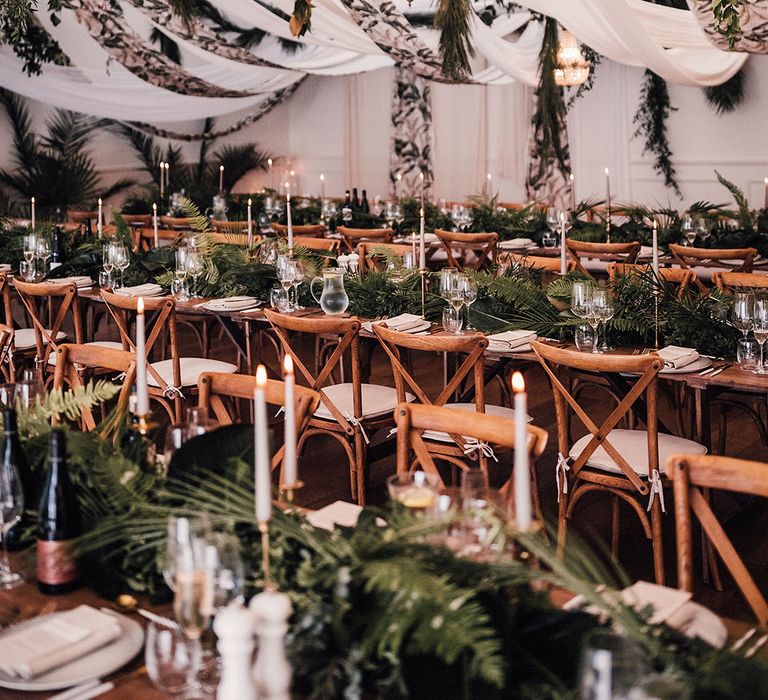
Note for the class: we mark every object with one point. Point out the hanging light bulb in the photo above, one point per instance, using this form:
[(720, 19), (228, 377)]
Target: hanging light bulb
[(572, 68)]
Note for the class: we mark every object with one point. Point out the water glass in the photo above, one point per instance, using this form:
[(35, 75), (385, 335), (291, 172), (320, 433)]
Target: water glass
[(581, 299), (179, 289), (198, 422), (612, 666), (474, 483), (27, 389), (175, 437), (452, 320), (748, 354), (278, 299), (417, 491), (167, 657), (585, 338), (742, 312), (27, 270)]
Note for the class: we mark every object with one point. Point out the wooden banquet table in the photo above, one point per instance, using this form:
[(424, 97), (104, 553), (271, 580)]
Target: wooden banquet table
[(131, 681)]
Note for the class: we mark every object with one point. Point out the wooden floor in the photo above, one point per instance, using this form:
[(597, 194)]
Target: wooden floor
[(324, 470)]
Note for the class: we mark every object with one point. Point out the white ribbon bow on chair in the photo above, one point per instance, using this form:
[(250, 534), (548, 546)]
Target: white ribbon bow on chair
[(656, 488), (354, 421), (473, 445), (563, 468), (170, 391)]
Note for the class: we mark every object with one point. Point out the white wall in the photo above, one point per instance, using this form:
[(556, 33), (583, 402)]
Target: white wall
[(340, 127)]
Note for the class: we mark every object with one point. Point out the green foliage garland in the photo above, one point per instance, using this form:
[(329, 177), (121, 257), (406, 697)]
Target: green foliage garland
[(728, 19), (651, 120), (452, 20)]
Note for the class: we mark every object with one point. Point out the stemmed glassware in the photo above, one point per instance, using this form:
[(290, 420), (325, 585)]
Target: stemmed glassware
[(702, 228), (181, 272), (760, 329), (11, 510), (603, 310), (195, 267), (742, 312), (285, 273), (43, 252), (689, 232), (399, 216), (390, 214), (553, 219), (468, 289), (30, 247), (299, 275), (107, 263), (121, 260)]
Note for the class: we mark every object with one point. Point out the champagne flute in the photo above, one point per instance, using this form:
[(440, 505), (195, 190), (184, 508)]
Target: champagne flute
[(298, 277), (742, 312), (689, 232), (581, 299), (224, 564), (702, 228), (181, 532), (181, 270), (468, 288), (448, 281), (30, 246), (760, 329), (285, 272), (11, 510), (195, 268), (553, 219), (193, 605), (121, 260)]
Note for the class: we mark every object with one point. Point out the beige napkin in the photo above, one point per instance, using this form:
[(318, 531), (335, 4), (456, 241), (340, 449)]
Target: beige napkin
[(677, 357), (79, 280), (58, 640), (665, 601), (397, 323), (510, 340), (337, 513), (231, 303), (141, 290)]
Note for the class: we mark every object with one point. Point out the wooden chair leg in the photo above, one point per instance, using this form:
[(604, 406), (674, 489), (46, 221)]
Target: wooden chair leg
[(361, 458), (615, 532), (657, 541), (722, 428)]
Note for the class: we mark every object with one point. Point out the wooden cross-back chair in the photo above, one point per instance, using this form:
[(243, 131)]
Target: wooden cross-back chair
[(353, 236), (736, 259), (169, 380), (627, 465), (306, 230), (6, 353), (80, 217), (607, 252), (234, 232), (692, 473), (145, 237), (730, 282), (349, 412), (452, 448), (217, 390), (177, 223), (139, 220), (482, 247), (327, 245), (74, 361), (10, 357), (684, 279), (414, 420), (50, 305), (374, 261)]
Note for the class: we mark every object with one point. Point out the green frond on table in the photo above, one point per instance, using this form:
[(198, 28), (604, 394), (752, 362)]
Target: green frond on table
[(744, 213)]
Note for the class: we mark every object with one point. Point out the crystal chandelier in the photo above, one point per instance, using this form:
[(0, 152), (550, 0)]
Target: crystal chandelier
[(572, 68)]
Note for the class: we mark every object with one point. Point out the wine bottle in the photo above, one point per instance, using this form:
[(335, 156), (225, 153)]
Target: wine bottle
[(133, 443), (58, 524), (347, 200), (13, 457), (88, 229), (364, 206), (57, 250), (355, 200)]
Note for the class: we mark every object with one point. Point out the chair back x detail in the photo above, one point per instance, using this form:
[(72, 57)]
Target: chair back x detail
[(692, 473), (736, 259), (215, 388), (353, 236), (481, 245), (610, 252)]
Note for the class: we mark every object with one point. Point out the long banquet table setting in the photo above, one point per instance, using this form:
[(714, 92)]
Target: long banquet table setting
[(380, 350)]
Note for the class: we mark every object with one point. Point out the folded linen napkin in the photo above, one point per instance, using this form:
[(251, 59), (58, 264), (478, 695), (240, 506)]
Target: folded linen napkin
[(397, 323), (5, 267), (664, 601), (516, 243), (79, 280), (150, 289), (231, 303), (59, 639), (510, 340), (337, 513), (676, 357)]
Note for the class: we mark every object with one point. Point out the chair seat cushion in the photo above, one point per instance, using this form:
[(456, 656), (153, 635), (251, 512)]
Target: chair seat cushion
[(632, 445), (113, 345), (191, 369), (500, 411), (377, 400), (24, 338)]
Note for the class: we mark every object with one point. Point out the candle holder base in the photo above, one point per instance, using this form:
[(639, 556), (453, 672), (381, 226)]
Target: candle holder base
[(656, 295), (423, 274), (146, 425), (269, 584), (287, 495)]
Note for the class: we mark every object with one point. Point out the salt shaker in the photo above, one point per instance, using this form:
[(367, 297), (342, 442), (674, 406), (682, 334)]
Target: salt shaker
[(271, 672), (234, 627)]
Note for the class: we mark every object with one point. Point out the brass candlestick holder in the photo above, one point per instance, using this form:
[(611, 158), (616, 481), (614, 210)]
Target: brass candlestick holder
[(287, 495), (656, 301), (145, 425), (608, 225), (423, 275), (269, 585)]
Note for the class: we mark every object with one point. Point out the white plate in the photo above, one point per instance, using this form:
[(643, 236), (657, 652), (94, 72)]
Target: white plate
[(694, 620), (418, 328), (514, 245), (521, 348), (697, 366), (95, 665)]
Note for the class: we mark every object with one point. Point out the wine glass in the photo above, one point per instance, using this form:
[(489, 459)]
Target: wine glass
[(466, 218), (106, 258), (181, 272), (452, 321), (742, 312), (553, 219), (613, 666), (285, 272), (581, 299), (456, 216), (30, 247), (224, 565), (468, 289), (167, 658), (193, 605), (604, 310), (195, 268), (702, 228), (43, 252), (11, 510), (417, 491), (198, 421), (299, 275), (399, 216), (689, 232), (448, 281), (760, 329), (389, 214), (121, 260), (181, 532)]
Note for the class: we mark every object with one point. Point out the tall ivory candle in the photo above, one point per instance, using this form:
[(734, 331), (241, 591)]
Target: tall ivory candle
[(563, 262), (142, 390), (154, 224), (521, 466), (290, 470), (99, 224), (262, 466), (421, 177), (422, 242), (33, 213), (608, 189), (322, 187), (250, 223), (288, 215), (221, 179), (765, 194), (162, 179), (573, 192)]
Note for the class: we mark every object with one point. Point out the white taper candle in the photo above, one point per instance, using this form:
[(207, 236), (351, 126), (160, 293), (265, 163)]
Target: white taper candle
[(655, 248), (262, 466), (290, 469), (521, 467), (142, 389), (563, 261), (99, 223), (573, 192), (288, 215), (33, 213), (250, 223), (154, 224), (422, 242)]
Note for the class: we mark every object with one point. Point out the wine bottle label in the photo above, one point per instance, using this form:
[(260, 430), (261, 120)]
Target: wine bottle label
[(54, 265), (55, 564)]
